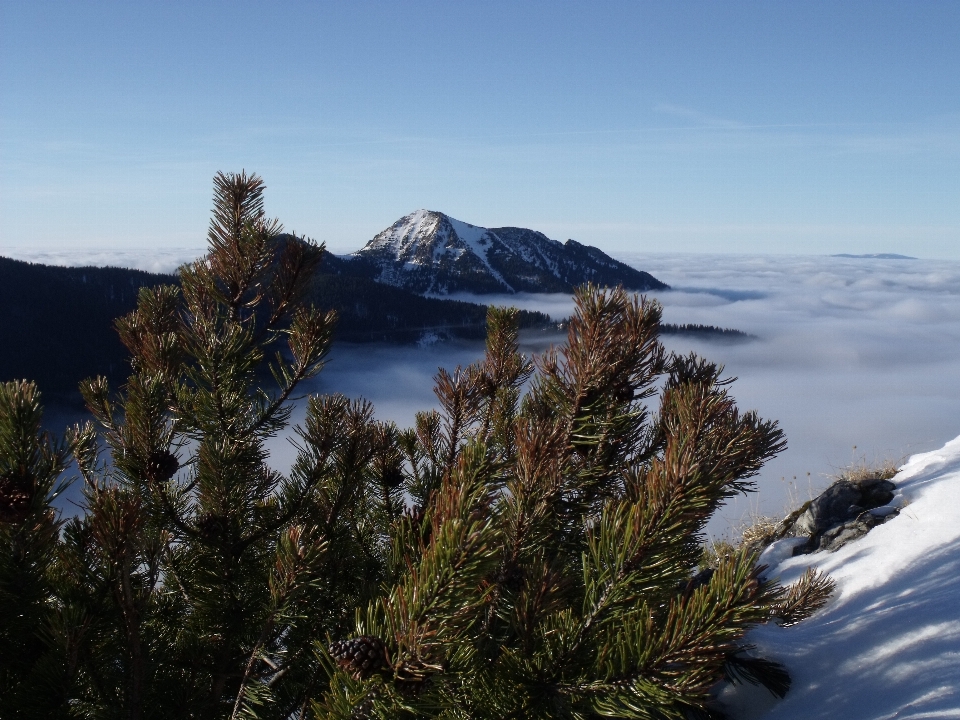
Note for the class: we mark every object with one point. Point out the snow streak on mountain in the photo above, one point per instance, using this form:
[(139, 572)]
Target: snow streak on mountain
[(431, 253)]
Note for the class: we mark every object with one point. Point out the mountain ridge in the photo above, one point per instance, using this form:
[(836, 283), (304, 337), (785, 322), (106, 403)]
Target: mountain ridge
[(429, 252), (875, 256)]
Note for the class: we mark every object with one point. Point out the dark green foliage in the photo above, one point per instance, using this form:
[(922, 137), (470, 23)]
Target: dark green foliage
[(31, 670), (710, 331), (57, 323), (527, 551)]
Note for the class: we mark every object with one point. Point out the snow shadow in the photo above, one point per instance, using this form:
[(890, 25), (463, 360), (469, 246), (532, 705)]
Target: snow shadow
[(888, 644), (896, 644)]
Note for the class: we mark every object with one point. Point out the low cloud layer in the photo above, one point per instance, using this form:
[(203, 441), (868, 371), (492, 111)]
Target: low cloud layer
[(859, 360), (851, 353), (157, 260)]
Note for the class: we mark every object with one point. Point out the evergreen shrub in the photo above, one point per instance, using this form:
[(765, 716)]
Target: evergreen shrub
[(529, 550)]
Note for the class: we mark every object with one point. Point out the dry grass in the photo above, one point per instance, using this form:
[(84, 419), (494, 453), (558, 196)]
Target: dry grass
[(760, 531), (714, 551), (860, 471)]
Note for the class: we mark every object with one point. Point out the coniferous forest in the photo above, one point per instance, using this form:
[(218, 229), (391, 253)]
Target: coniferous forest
[(530, 550), (57, 323)]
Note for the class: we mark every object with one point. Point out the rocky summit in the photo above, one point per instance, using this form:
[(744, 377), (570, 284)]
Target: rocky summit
[(431, 253)]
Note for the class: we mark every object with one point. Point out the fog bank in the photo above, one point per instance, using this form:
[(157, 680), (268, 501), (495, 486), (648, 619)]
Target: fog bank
[(856, 358)]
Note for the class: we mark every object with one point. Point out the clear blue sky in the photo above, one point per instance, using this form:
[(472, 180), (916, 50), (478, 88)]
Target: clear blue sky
[(788, 127)]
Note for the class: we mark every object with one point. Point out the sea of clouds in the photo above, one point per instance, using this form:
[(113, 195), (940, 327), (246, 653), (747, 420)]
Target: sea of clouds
[(857, 359), (155, 260)]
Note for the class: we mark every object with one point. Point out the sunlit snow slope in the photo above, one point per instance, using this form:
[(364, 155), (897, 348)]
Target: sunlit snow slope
[(888, 644)]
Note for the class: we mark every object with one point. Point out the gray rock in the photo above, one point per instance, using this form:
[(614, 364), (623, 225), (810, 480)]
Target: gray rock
[(837, 536), (804, 525), (842, 513), (877, 492), (833, 504)]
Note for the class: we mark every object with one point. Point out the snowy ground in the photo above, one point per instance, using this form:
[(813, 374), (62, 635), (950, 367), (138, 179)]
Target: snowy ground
[(888, 644)]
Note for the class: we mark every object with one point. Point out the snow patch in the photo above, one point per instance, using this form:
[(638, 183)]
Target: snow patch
[(779, 551), (888, 643), (402, 238), (478, 242)]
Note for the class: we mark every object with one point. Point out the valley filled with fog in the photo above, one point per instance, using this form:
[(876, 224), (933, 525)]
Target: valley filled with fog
[(850, 352), (858, 359)]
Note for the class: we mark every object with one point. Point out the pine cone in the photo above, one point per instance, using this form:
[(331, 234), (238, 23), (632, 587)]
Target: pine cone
[(623, 393), (16, 491), (511, 577), (392, 477), (162, 466), (362, 655), (212, 526)]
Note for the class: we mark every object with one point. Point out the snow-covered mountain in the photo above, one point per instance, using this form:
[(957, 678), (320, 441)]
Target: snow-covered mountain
[(428, 252)]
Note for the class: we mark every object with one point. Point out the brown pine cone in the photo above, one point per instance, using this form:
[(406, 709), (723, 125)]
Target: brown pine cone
[(162, 466), (361, 656), (211, 526), (392, 477), (16, 492), (511, 577), (623, 392)]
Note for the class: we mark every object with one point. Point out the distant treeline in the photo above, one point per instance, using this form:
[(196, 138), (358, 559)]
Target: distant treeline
[(57, 323), (371, 311), (711, 330)]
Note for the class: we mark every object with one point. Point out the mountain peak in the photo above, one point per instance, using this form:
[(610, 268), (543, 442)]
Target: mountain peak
[(430, 252)]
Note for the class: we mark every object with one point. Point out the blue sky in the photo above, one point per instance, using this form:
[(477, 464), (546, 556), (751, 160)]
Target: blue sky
[(784, 127)]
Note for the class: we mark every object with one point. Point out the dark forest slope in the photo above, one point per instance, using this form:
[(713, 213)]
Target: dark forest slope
[(56, 323)]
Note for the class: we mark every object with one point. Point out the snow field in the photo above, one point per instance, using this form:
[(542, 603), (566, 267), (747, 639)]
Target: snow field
[(888, 643)]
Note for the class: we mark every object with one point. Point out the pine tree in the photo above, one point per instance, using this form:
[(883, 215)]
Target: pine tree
[(548, 566), (31, 671), (529, 550)]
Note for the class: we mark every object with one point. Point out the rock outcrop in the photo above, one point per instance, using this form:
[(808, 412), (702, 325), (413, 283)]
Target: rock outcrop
[(845, 511)]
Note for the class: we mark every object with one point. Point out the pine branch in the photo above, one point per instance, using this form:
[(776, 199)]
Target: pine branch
[(802, 599)]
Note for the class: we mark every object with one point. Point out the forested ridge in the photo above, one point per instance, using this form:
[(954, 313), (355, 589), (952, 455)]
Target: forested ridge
[(57, 323)]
